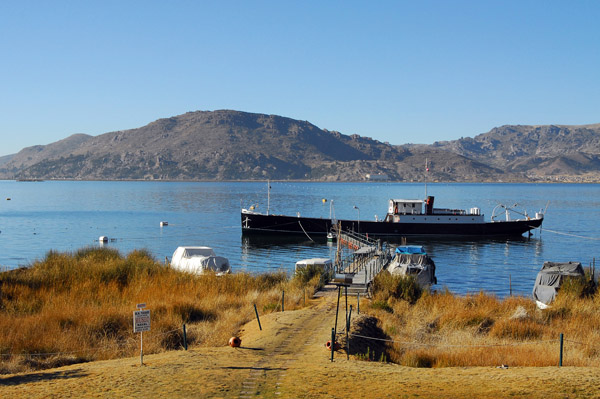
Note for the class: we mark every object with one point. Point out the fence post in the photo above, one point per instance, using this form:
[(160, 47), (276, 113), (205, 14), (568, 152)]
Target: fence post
[(337, 309), (346, 295), (256, 311), (184, 338), (561, 350), (282, 300), (348, 333), (358, 303), (332, 342)]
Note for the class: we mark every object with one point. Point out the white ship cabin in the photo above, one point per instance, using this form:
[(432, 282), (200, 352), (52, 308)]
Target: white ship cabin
[(405, 207), (399, 208)]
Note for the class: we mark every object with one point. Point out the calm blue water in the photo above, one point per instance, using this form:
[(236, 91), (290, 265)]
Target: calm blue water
[(65, 216)]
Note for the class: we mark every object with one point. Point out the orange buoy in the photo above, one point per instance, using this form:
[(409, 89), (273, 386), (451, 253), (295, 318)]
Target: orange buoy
[(235, 342), (336, 344)]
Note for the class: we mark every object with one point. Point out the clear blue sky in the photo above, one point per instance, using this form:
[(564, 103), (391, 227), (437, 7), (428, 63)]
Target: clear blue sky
[(398, 71)]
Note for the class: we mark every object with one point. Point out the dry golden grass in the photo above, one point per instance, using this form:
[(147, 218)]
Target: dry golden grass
[(442, 329), (70, 308), (287, 359)]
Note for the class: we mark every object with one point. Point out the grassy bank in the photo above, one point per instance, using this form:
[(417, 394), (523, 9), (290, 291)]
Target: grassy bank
[(442, 329), (77, 307)]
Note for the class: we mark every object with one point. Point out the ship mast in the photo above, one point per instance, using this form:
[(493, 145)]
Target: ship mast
[(426, 172), (268, 196)]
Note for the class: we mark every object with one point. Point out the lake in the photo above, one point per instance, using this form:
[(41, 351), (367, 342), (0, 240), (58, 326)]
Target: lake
[(36, 217)]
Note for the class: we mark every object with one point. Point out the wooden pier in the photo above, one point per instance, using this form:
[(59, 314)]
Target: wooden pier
[(358, 269)]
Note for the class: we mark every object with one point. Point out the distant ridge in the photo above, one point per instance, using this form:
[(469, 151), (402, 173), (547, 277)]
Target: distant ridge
[(235, 145), (538, 152)]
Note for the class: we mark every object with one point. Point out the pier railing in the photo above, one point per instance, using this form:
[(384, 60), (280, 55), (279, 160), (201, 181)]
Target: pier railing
[(368, 259), (356, 240)]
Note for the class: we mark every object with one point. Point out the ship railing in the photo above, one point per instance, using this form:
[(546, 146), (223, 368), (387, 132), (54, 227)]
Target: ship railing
[(446, 211)]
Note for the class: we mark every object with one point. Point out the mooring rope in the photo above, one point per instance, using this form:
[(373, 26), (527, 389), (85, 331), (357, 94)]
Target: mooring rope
[(305, 231), (572, 235)]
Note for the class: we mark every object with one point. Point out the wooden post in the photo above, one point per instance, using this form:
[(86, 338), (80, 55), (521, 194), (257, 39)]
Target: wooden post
[(141, 348), (346, 295), (348, 334), (332, 342), (337, 309), (282, 300), (561, 350), (256, 311), (184, 338), (358, 303)]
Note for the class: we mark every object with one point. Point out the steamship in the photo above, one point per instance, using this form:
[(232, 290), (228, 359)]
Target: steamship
[(404, 218)]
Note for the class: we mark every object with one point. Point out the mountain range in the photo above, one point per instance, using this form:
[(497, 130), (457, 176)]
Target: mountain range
[(234, 145)]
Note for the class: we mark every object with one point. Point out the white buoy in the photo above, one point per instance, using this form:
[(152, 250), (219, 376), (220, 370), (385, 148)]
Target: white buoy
[(164, 224)]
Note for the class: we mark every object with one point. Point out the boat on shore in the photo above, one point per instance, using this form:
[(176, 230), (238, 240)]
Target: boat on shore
[(404, 218), (412, 260), (199, 260)]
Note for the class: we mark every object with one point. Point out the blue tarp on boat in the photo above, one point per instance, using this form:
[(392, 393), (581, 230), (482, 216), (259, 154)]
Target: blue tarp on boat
[(410, 249)]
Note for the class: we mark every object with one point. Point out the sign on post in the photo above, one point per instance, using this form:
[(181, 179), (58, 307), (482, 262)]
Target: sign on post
[(141, 323), (141, 320)]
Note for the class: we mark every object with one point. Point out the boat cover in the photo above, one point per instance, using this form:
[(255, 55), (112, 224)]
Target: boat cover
[(419, 265), (324, 263), (550, 278), (198, 260), (410, 249)]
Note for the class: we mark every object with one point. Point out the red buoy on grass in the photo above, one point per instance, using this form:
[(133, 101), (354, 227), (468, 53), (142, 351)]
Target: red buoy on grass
[(235, 342)]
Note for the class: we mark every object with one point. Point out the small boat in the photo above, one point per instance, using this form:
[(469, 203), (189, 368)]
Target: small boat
[(198, 260), (324, 264), (412, 260), (404, 218), (550, 278)]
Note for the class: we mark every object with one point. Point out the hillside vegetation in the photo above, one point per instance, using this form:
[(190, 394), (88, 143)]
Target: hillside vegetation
[(234, 145)]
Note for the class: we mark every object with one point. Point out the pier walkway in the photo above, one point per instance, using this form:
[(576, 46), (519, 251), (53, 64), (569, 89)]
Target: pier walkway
[(359, 268)]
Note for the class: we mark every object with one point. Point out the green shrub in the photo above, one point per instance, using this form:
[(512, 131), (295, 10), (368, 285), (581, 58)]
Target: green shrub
[(383, 305), (305, 274), (399, 287)]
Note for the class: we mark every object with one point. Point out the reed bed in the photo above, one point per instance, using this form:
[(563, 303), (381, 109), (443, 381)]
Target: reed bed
[(441, 329), (77, 307)]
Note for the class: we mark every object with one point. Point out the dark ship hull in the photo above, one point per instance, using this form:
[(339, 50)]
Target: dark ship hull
[(423, 225)]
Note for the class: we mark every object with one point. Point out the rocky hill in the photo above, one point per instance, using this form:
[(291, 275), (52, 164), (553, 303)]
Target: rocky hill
[(537, 152), (227, 145), (233, 145)]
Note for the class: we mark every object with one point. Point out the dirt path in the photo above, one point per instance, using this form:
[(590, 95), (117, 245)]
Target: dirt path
[(287, 359)]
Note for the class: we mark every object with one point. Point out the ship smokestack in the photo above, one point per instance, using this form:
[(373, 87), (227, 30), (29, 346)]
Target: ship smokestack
[(429, 205)]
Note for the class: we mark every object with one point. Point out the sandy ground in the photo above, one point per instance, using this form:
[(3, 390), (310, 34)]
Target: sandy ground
[(288, 359)]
